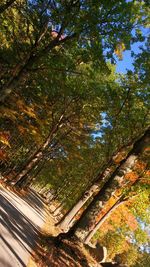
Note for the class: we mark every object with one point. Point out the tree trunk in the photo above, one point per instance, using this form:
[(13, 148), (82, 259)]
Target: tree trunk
[(6, 5), (22, 176), (88, 219), (32, 176), (40, 191), (58, 210), (67, 220), (119, 202), (20, 71), (43, 190), (63, 224), (102, 220), (17, 75)]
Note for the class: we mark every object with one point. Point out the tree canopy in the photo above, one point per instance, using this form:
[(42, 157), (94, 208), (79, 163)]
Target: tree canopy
[(67, 116)]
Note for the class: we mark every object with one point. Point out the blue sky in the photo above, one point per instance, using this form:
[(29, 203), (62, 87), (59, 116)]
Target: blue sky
[(122, 66), (127, 62)]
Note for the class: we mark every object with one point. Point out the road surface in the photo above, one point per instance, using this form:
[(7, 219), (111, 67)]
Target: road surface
[(20, 223)]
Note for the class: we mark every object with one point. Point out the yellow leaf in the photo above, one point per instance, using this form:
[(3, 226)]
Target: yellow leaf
[(119, 50), (4, 139)]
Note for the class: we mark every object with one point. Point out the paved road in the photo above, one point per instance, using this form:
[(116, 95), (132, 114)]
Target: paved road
[(20, 222)]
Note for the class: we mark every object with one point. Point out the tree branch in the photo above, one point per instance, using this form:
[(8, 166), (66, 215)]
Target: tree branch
[(6, 5), (57, 69)]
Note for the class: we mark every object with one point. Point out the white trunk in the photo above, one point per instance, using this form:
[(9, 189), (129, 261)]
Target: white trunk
[(58, 210), (117, 180), (63, 224), (102, 220)]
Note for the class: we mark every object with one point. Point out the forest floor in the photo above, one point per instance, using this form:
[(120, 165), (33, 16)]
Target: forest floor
[(28, 233)]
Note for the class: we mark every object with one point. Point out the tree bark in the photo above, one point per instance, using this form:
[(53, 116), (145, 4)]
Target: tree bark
[(67, 220), (63, 224), (22, 176), (31, 176), (119, 201), (88, 219), (102, 220), (43, 191), (6, 5), (20, 71), (58, 210)]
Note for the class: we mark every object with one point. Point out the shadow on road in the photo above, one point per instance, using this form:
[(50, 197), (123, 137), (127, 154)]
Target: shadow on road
[(14, 253), (64, 253), (34, 200), (20, 227)]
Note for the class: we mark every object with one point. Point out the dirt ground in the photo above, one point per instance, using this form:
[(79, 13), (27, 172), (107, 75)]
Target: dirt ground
[(38, 235), (68, 253)]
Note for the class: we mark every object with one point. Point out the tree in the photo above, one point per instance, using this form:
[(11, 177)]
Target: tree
[(88, 219), (64, 114), (129, 194), (96, 186), (90, 35), (102, 220), (142, 260), (6, 5)]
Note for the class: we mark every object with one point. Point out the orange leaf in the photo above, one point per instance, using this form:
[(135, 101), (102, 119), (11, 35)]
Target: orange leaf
[(4, 137)]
